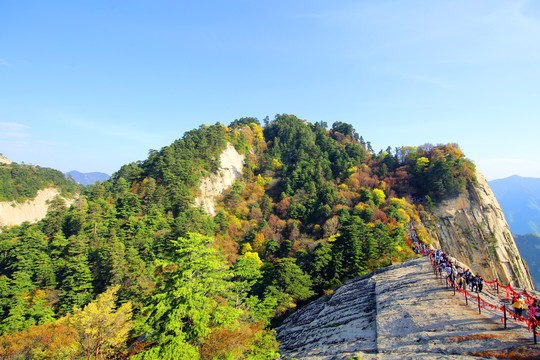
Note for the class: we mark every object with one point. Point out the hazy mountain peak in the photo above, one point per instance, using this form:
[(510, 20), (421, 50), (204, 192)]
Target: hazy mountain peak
[(87, 178), (519, 198)]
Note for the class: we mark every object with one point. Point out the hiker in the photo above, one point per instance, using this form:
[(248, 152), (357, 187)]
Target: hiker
[(519, 304), (461, 281), (467, 276), (479, 283), (534, 311), (472, 283), (440, 267), (449, 272), (438, 259)]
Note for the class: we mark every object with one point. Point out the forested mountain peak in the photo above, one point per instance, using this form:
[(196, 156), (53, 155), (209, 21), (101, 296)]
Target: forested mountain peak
[(313, 207)]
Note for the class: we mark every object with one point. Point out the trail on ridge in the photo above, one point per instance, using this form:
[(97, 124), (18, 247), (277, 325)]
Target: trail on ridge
[(399, 312)]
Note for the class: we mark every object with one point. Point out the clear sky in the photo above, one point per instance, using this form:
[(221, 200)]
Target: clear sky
[(92, 85)]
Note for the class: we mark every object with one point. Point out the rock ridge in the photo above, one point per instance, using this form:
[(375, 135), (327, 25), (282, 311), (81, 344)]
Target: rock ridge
[(399, 312), (472, 228)]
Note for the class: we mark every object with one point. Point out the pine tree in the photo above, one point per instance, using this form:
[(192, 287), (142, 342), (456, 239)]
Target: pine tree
[(186, 305), (76, 277)]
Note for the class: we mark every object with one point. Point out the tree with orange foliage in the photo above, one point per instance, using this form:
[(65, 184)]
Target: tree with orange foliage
[(49, 341)]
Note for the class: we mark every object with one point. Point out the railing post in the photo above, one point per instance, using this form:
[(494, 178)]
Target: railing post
[(466, 297), (497, 280), (534, 330), (504, 311), (454, 286), (479, 307)]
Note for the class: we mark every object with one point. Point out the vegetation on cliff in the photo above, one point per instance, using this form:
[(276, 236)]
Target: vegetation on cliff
[(21, 182), (315, 206)]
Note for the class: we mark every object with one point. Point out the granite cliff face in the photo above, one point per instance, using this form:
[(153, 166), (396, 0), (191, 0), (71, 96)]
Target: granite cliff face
[(472, 228), (211, 187), (13, 213)]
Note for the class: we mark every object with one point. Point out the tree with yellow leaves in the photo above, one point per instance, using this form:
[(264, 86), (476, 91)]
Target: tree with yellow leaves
[(379, 195), (100, 328)]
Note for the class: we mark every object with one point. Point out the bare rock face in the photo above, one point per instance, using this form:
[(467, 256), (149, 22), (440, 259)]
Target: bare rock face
[(211, 187), (472, 228), (399, 312), (4, 160), (13, 213)]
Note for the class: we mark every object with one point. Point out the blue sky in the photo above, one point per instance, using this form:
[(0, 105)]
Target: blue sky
[(93, 85)]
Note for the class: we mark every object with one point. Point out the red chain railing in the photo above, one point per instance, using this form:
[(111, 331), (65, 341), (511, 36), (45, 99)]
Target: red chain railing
[(532, 323)]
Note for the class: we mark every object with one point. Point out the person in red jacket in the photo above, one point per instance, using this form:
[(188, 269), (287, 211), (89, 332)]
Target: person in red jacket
[(534, 310)]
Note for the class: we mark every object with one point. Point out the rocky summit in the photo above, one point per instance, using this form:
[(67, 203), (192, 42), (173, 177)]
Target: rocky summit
[(402, 312)]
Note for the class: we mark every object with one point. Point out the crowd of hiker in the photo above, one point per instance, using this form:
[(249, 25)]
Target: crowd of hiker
[(457, 274), (463, 278)]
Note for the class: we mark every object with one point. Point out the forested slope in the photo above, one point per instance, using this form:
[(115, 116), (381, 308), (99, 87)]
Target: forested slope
[(21, 182), (315, 206)]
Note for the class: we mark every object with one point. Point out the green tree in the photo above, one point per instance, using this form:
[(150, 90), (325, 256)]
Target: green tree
[(320, 267), (76, 277), (55, 216), (186, 306), (353, 248), (21, 304), (246, 270), (288, 284)]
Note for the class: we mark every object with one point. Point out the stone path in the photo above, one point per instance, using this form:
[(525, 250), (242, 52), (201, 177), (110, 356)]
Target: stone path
[(401, 312)]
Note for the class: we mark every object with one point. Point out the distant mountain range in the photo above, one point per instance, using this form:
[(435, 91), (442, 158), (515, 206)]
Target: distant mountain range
[(520, 200), (87, 178), (529, 248)]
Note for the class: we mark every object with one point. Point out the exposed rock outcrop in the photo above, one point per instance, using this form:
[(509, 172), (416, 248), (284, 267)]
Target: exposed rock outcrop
[(211, 187), (4, 160), (398, 312), (13, 213), (472, 228)]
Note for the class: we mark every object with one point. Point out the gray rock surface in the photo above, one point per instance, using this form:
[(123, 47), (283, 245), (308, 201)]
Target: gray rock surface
[(472, 228), (401, 312)]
